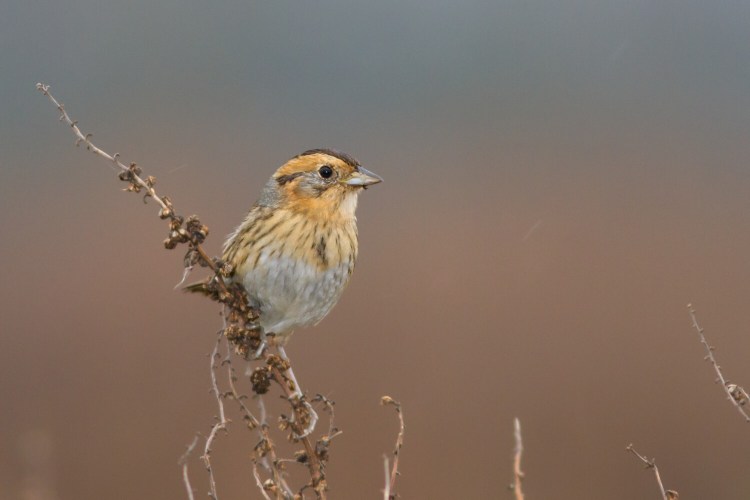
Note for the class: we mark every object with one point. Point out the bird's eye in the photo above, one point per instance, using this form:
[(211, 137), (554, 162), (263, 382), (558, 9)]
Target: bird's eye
[(325, 171)]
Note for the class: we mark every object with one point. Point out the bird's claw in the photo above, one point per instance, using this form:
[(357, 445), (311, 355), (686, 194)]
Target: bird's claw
[(261, 348), (265, 341)]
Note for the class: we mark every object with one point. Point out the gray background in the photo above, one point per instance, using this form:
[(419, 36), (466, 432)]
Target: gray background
[(561, 179)]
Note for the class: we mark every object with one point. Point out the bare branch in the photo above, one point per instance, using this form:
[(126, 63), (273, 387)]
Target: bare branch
[(387, 470), (221, 425), (188, 230), (518, 474), (735, 393), (651, 464), (266, 445), (184, 463), (250, 419), (86, 140), (279, 370), (389, 492), (333, 431), (259, 483)]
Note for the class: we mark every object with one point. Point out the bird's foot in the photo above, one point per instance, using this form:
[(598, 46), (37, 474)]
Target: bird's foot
[(262, 347)]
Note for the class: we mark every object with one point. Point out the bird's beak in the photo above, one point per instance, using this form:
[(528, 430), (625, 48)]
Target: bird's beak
[(362, 178)]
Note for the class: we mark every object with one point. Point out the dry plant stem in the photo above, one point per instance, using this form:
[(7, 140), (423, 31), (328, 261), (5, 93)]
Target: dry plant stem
[(289, 376), (184, 462), (290, 372), (218, 426), (518, 474), (313, 460), (390, 484), (737, 399), (387, 471), (328, 405), (148, 186), (283, 487), (259, 482), (86, 139), (651, 464), (275, 461)]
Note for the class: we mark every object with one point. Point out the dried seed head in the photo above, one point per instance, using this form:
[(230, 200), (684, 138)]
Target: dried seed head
[(277, 362), (284, 422), (233, 333), (175, 237), (131, 177), (260, 380), (738, 394), (251, 422), (197, 231), (270, 486), (321, 449), (176, 222), (262, 448), (242, 351), (225, 269)]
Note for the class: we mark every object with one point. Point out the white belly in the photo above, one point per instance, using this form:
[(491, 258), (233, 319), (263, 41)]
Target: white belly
[(291, 293)]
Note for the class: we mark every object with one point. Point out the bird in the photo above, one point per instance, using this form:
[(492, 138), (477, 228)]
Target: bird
[(295, 250)]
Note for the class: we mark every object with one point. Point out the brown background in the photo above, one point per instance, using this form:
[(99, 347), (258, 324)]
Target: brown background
[(562, 178)]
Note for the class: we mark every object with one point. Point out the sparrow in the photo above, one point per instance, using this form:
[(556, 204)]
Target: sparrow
[(295, 251)]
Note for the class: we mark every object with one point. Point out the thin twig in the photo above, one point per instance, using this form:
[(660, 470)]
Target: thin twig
[(194, 233), (252, 421), (259, 483), (735, 393), (266, 444), (86, 139), (387, 471), (389, 492), (651, 464), (518, 474), (218, 426), (263, 412), (184, 463), (328, 406), (317, 474)]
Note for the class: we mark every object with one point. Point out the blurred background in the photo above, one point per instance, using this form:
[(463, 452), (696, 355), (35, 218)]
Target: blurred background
[(562, 178)]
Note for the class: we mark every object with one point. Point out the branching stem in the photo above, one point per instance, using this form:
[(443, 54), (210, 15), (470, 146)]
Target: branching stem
[(651, 464), (734, 392), (518, 474), (390, 484), (184, 463), (314, 464)]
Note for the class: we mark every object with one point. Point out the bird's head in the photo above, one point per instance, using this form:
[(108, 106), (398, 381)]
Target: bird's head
[(319, 182)]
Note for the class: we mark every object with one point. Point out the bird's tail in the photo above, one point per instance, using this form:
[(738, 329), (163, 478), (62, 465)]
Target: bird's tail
[(198, 287)]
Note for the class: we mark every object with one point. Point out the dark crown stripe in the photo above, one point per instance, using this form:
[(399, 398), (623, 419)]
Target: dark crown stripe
[(332, 152)]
